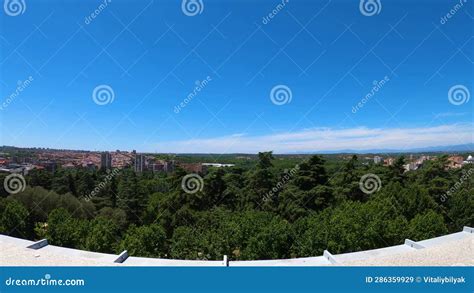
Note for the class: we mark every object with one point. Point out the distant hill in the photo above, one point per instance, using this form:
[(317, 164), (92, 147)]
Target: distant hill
[(436, 149)]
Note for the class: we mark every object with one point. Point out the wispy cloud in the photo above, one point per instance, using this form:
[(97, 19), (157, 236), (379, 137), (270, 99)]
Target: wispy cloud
[(327, 139), (450, 114)]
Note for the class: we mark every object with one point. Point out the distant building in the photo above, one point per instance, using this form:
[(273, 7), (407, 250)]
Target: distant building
[(105, 160), (469, 160), (192, 167), (89, 165), (49, 165), (139, 163), (218, 165), (377, 160), (389, 161), (14, 168), (410, 167), (455, 162), (168, 166), (68, 166), (157, 167)]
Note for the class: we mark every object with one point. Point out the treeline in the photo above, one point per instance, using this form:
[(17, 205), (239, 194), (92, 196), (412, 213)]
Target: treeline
[(263, 212)]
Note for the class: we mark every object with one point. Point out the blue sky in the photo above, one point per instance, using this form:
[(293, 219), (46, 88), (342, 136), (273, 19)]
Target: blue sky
[(153, 56)]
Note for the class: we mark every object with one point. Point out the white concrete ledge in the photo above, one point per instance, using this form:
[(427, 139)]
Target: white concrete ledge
[(163, 262), (413, 244), (122, 257), (330, 257), (457, 247), (289, 262), (80, 254), (39, 244), (225, 261), (443, 239)]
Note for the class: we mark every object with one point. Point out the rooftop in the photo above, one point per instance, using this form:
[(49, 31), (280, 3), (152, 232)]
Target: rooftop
[(455, 249)]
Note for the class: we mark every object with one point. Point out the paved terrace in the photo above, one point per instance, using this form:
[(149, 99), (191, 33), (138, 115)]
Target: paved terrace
[(455, 249)]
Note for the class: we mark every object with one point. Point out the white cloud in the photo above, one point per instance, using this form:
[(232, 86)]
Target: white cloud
[(327, 139), (449, 114)]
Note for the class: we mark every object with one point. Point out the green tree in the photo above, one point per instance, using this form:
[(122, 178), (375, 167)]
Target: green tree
[(41, 202), (14, 219), (186, 244), (461, 208), (63, 230), (117, 216), (273, 241), (102, 236), (40, 177), (311, 174), (131, 197), (145, 241), (427, 225), (397, 170), (85, 183), (60, 182), (260, 182)]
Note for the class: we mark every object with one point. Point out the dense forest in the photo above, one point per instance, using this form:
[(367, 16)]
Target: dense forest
[(263, 211)]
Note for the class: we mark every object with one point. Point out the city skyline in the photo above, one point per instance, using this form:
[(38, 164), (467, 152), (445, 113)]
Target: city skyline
[(288, 76)]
